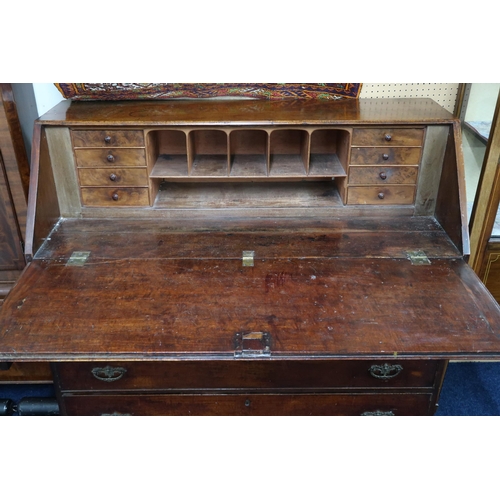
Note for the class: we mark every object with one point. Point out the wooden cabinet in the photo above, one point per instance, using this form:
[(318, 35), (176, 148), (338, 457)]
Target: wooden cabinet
[(14, 173), (295, 257)]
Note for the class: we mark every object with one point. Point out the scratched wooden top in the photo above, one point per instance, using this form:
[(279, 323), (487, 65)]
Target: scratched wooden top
[(247, 112), (162, 290)]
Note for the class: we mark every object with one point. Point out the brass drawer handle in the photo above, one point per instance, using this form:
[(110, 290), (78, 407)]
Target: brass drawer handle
[(110, 158), (378, 413), (109, 373), (385, 371)]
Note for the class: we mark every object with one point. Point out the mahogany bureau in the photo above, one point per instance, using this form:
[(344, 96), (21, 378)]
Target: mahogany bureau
[(248, 257)]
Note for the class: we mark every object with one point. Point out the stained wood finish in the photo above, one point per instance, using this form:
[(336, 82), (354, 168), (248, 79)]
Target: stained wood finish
[(387, 137), (113, 177), (490, 269), (382, 195), (107, 138), (383, 175), (385, 156), (244, 375), (14, 153), (105, 157), (166, 300), (115, 196), (252, 405), (11, 252), (33, 373), (248, 112), (305, 291)]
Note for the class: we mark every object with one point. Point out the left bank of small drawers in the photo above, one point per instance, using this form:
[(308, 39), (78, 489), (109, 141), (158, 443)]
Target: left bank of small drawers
[(112, 167)]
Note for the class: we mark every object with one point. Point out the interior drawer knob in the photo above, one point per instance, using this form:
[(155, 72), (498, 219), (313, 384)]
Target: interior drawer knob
[(115, 196), (385, 371), (107, 139), (385, 156), (381, 196), (114, 177), (388, 137), (383, 176), (110, 158), (109, 373)]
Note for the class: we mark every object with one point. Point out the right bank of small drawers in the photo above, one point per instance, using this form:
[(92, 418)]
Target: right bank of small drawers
[(383, 166)]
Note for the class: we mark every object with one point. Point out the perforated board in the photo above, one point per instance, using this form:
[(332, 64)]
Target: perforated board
[(443, 93)]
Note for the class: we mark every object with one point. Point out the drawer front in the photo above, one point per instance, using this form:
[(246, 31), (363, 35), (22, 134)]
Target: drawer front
[(383, 175), (381, 195), (245, 375), (109, 157), (111, 197), (113, 177), (385, 156), (251, 404), (387, 136), (107, 138)]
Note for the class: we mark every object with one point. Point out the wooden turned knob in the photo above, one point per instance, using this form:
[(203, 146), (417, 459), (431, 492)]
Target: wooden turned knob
[(388, 137), (114, 177), (107, 139), (385, 156), (115, 196), (383, 176), (110, 158), (381, 196)]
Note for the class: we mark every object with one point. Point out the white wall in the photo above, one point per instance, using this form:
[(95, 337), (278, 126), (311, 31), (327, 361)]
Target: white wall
[(46, 96)]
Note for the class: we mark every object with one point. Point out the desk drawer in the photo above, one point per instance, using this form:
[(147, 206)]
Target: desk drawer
[(115, 197), (383, 175), (245, 375), (381, 195), (107, 138), (125, 157), (385, 156), (251, 404), (113, 176), (387, 136)]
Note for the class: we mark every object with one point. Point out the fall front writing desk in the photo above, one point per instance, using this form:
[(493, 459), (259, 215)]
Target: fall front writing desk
[(248, 258)]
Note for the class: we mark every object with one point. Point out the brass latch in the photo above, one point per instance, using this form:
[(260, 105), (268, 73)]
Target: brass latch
[(78, 258), (418, 258), (252, 345)]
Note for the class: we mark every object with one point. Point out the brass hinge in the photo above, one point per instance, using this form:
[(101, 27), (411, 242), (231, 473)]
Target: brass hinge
[(418, 258), (78, 258), (248, 258)]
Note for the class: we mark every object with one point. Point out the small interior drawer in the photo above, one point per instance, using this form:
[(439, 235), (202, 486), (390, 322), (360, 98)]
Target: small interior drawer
[(391, 194), (107, 138), (113, 176), (387, 137), (360, 404), (111, 197), (385, 156), (245, 375), (125, 157), (383, 175)]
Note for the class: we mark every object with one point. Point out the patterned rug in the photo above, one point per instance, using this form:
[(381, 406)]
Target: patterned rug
[(271, 91)]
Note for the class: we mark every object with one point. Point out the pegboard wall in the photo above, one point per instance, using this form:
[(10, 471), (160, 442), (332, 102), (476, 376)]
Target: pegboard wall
[(443, 93)]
